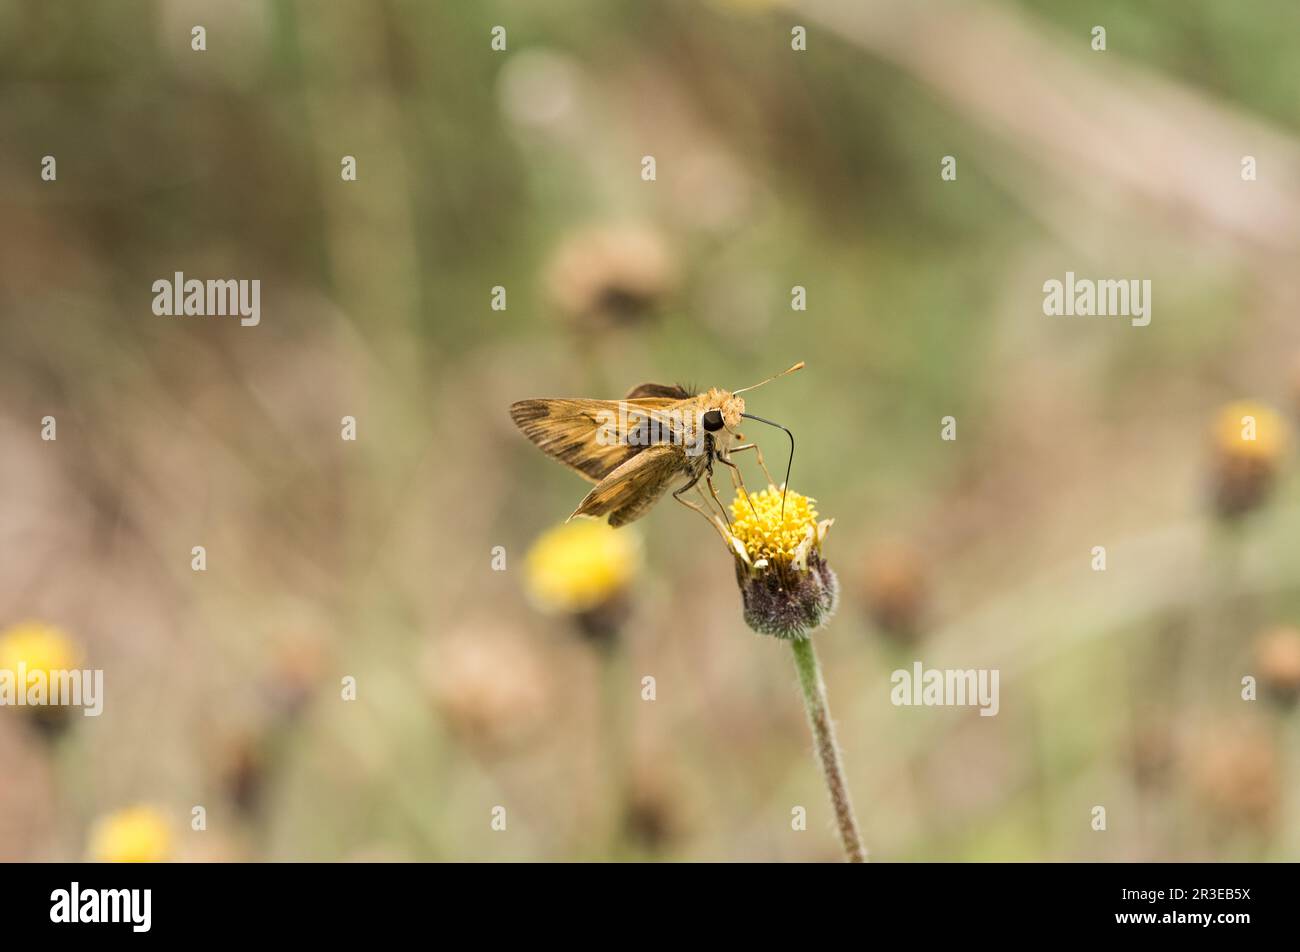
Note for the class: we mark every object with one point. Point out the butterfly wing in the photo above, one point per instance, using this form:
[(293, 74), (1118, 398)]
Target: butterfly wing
[(589, 436), (666, 391), (635, 486)]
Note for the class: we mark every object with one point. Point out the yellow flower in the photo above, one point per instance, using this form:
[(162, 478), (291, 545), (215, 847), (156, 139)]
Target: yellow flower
[(579, 565), (134, 835), (39, 646), (765, 535), (1249, 430), (786, 587)]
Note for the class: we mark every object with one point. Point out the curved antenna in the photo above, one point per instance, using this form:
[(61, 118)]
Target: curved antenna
[(789, 463), (798, 366)]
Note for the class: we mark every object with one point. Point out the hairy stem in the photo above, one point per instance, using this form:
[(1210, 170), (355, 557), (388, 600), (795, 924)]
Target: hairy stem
[(828, 752)]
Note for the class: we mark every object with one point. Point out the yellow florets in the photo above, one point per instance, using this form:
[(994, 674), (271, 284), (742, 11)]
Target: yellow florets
[(40, 647), (579, 565), (769, 535), (1247, 430), (135, 835)]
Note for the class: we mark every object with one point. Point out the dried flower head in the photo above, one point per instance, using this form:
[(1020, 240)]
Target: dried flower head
[(489, 686), (611, 275), (1277, 657), (1248, 441), (786, 586), (894, 586), (296, 667), (135, 835), (1236, 775)]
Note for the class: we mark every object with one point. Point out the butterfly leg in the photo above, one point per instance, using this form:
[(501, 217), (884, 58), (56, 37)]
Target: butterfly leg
[(737, 480), (759, 453), (713, 519), (721, 507)]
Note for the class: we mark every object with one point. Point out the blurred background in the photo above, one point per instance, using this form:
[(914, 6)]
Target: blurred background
[(497, 663)]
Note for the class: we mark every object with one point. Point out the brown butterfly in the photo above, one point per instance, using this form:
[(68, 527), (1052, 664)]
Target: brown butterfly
[(637, 448)]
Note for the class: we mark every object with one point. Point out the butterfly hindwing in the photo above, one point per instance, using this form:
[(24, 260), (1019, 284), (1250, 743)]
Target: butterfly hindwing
[(635, 486)]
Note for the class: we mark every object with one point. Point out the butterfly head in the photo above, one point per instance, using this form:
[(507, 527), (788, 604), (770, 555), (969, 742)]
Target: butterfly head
[(721, 410)]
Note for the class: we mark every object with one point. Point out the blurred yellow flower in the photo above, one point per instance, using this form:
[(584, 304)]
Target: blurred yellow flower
[(579, 565), (1249, 430), (39, 646), (134, 835)]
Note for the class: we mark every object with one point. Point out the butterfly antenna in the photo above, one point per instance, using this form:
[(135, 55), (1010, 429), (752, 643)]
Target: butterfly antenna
[(798, 366), (790, 462)]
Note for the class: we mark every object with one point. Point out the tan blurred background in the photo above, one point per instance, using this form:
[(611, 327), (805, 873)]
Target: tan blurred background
[(521, 169)]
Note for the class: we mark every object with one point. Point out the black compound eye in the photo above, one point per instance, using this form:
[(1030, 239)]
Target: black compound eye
[(713, 421)]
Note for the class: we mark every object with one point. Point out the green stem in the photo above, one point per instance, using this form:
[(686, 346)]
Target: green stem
[(828, 752)]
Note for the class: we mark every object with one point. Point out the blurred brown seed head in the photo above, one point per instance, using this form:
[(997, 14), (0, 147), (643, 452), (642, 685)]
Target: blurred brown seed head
[(611, 275), (653, 817), (1235, 774), (296, 671), (1248, 443), (1152, 752), (243, 766), (489, 686), (1277, 658), (895, 588)]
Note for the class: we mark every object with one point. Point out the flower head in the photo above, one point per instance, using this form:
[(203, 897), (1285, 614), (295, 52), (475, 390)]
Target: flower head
[(489, 685), (1236, 773), (580, 565), (786, 586), (135, 835), (894, 585), (38, 646), (1248, 441), (610, 276), (1277, 656), (41, 650)]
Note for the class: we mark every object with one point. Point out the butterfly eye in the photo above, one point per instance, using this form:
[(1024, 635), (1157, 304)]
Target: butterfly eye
[(713, 421)]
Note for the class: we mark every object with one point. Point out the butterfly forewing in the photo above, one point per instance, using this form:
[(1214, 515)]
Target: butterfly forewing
[(593, 437)]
